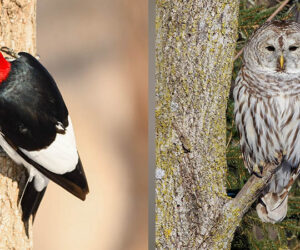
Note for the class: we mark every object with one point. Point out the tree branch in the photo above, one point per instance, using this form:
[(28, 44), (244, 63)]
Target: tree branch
[(235, 209), (252, 189)]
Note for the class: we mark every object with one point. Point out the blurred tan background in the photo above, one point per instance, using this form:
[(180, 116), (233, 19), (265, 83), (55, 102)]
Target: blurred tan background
[(96, 50)]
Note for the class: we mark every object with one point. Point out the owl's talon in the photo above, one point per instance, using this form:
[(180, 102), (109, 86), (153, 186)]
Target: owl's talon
[(257, 170), (261, 169), (277, 161), (257, 174), (278, 157)]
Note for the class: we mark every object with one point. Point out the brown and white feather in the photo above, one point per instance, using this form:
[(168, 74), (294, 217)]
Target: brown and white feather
[(267, 111)]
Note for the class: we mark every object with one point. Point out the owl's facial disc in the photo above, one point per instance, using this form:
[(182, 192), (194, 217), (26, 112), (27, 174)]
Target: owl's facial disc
[(276, 52)]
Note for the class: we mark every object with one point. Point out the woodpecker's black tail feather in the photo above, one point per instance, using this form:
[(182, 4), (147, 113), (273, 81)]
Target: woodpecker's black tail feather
[(30, 201)]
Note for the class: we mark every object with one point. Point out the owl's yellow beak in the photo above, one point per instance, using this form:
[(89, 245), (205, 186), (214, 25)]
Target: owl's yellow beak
[(281, 62)]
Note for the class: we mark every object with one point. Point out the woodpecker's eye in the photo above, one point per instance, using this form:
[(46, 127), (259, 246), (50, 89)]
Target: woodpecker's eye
[(270, 48), (293, 48)]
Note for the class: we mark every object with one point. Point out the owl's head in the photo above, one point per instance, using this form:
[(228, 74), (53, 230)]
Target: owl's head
[(274, 48)]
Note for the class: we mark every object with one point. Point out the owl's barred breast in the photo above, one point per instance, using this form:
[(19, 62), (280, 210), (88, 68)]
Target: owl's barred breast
[(267, 116)]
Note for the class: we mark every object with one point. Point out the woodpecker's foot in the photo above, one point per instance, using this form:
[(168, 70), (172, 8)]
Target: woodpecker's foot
[(9, 52)]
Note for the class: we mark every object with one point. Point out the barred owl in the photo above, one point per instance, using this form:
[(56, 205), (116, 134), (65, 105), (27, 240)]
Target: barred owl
[(267, 111)]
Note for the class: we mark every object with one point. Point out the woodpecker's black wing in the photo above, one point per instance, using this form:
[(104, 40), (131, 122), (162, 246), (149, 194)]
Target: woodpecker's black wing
[(34, 122), (31, 105)]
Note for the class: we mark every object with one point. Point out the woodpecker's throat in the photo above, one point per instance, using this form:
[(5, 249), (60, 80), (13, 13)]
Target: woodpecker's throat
[(4, 68)]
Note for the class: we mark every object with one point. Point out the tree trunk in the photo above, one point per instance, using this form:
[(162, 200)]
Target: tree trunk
[(195, 45), (17, 31)]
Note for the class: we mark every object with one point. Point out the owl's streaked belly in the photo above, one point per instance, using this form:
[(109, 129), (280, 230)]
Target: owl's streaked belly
[(287, 125), (268, 126)]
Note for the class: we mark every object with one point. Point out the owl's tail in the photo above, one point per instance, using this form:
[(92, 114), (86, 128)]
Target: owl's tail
[(272, 207), (273, 202)]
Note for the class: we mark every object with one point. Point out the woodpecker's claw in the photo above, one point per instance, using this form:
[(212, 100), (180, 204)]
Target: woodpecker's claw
[(9, 52)]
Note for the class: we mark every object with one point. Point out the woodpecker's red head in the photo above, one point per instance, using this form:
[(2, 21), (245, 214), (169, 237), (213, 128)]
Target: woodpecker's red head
[(4, 68)]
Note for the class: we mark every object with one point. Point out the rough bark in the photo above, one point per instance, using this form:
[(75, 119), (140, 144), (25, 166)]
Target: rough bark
[(195, 46), (17, 31)]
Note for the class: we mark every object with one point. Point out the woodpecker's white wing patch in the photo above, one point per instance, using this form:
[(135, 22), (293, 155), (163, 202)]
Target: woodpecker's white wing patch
[(40, 181), (60, 156)]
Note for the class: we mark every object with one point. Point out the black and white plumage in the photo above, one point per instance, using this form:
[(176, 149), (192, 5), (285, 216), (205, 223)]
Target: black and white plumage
[(267, 111), (36, 131)]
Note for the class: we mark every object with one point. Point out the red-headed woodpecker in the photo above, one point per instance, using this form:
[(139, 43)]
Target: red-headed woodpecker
[(36, 130)]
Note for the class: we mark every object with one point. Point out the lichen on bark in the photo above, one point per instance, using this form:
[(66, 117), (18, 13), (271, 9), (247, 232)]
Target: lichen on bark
[(195, 44)]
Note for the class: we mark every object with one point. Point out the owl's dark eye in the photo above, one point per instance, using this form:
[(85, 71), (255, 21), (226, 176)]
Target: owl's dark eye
[(270, 48), (293, 48)]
